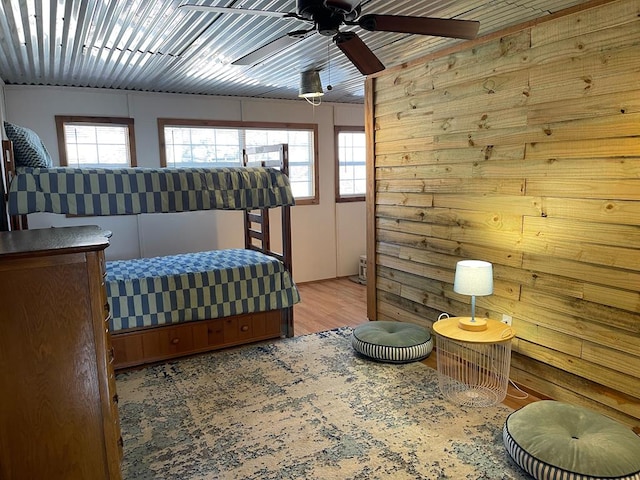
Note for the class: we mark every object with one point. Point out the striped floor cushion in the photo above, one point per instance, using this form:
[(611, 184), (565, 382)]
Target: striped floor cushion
[(556, 441), (394, 342)]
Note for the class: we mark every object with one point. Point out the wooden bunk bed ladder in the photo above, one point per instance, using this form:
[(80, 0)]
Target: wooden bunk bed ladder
[(257, 233), (256, 228), (256, 222)]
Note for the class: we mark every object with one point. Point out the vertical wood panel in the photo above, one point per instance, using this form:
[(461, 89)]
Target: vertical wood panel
[(522, 150), (370, 197)]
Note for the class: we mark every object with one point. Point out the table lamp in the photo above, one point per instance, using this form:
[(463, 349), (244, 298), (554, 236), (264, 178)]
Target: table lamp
[(475, 278)]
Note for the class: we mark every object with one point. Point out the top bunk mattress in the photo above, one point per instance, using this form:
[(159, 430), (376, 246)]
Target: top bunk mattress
[(155, 291), (130, 191)]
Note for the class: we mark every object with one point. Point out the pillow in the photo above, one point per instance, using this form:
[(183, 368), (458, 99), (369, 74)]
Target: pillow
[(28, 149), (555, 440)]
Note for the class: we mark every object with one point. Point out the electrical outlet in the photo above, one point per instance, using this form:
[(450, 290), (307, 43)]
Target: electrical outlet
[(506, 319)]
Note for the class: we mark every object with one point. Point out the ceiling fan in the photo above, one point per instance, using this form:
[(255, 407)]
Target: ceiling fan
[(327, 16)]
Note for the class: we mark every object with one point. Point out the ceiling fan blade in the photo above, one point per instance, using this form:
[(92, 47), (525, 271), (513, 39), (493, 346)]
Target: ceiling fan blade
[(358, 52), (245, 11), (270, 48), (439, 27)]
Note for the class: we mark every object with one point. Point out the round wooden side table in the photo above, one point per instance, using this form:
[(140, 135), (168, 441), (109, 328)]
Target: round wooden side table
[(473, 365)]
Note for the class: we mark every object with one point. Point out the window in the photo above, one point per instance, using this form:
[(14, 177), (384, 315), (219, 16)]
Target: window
[(104, 142), (202, 147), (351, 164), (202, 143)]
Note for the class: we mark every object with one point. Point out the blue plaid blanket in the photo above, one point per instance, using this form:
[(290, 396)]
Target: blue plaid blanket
[(195, 286), (128, 191)]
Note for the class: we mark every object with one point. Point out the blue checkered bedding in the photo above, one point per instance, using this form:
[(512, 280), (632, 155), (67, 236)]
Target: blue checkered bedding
[(195, 286), (128, 191)]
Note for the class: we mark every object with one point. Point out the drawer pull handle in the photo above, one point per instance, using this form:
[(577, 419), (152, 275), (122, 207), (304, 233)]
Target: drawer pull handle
[(107, 307), (175, 341), (244, 328)]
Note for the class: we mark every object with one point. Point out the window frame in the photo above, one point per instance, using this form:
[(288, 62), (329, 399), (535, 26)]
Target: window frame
[(62, 120), (233, 124), (350, 198)]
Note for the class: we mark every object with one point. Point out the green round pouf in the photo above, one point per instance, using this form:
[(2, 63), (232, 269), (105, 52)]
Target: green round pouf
[(393, 342), (554, 440)]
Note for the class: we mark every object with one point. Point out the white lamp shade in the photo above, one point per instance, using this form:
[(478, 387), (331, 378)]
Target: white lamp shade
[(473, 277)]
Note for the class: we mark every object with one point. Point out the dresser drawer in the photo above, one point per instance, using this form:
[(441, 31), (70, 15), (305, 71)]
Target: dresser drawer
[(251, 326), (168, 341)]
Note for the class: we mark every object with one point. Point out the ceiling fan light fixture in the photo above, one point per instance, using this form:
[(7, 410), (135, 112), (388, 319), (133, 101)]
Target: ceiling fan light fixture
[(310, 85)]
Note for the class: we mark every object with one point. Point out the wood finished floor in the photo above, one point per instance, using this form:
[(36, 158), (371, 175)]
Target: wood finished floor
[(328, 304)]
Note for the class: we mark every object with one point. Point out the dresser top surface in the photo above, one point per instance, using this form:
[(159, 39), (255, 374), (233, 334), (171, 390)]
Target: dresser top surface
[(52, 240)]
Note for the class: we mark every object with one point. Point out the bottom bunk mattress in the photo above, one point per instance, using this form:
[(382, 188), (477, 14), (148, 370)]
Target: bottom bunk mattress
[(156, 291)]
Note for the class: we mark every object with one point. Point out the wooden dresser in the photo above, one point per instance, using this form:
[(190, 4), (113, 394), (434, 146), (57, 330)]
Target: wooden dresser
[(58, 402)]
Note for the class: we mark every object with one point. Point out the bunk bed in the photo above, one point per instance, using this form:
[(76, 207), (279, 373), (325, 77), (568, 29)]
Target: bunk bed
[(171, 306)]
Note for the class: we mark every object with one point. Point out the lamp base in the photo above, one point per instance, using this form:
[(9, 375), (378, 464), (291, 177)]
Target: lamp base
[(478, 325)]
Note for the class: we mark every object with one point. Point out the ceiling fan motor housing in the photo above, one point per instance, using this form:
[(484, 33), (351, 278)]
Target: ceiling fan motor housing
[(345, 6), (328, 15)]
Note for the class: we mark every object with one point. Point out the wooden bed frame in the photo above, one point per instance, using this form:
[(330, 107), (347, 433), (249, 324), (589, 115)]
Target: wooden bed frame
[(8, 166), (134, 347)]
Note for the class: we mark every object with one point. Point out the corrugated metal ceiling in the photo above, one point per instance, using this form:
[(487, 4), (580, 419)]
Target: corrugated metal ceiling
[(152, 45)]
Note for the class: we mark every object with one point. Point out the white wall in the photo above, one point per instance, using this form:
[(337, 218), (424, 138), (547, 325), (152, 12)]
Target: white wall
[(327, 238)]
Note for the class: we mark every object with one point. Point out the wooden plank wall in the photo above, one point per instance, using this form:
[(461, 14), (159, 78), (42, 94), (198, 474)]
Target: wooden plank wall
[(522, 149)]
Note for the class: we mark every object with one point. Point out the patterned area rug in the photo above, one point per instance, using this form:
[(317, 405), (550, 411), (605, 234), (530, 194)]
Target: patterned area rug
[(303, 408)]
